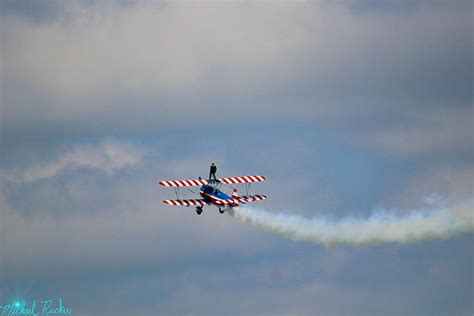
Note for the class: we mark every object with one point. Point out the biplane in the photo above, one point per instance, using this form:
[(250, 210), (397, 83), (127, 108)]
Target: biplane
[(211, 194)]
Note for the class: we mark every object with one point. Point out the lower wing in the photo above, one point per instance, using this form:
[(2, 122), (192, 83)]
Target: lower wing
[(199, 202), (251, 198)]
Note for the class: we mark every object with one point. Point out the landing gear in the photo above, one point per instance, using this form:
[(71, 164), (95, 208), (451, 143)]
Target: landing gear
[(198, 210), (221, 210)]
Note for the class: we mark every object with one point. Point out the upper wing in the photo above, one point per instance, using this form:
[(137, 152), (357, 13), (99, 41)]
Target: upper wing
[(184, 202), (230, 180), (251, 198), (183, 183), (246, 179)]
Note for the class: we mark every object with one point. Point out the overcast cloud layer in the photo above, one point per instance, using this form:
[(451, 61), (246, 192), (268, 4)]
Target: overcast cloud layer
[(149, 67), (345, 107)]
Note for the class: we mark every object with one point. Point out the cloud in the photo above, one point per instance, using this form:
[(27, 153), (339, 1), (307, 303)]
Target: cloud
[(153, 67), (397, 6), (30, 10), (105, 218), (135, 229), (108, 156), (445, 183), (423, 131), (114, 241)]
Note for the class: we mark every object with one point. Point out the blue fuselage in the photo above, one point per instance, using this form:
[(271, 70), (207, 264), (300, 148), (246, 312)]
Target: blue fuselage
[(212, 195)]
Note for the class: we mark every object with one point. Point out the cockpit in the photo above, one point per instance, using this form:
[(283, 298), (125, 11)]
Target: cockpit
[(210, 190)]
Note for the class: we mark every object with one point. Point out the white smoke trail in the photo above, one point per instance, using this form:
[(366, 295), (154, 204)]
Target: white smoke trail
[(380, 227)]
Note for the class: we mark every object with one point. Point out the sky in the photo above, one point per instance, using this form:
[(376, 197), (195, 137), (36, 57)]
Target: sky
[(348, 108)]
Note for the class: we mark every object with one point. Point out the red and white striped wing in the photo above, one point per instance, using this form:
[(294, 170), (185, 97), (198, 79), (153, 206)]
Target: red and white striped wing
[(252, 198), (184, 202), (183, 183), (246, 179)]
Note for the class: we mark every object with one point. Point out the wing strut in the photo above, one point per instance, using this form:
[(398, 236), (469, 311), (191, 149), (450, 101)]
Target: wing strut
[(179, 195)]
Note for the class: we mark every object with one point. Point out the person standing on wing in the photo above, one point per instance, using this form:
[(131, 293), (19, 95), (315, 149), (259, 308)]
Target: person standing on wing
[(212, 172)]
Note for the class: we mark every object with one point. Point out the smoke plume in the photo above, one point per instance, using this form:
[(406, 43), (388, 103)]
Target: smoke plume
[(380, 227)]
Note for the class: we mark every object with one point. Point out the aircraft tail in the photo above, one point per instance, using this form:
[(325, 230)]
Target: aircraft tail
[(235, 197)]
